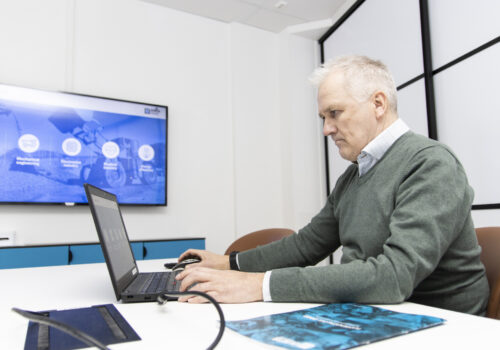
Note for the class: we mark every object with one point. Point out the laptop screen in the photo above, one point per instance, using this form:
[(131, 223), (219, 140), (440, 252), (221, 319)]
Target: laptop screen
[(114, 236)]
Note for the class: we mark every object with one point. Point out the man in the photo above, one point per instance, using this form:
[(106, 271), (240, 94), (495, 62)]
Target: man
[(401, 212)]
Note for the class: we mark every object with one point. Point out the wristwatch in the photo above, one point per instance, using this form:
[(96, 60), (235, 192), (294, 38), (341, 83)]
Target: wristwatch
[(233, 265)]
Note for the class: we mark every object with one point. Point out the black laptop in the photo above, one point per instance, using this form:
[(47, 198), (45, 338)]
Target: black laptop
[(129, 284)]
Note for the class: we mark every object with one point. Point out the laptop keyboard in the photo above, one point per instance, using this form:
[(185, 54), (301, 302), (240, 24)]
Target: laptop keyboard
[(158, 283), (154, 283)]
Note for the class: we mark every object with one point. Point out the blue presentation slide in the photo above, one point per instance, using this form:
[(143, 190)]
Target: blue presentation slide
[(47, 153)]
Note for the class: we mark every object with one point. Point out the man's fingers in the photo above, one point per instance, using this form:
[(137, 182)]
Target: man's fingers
[(190, 252), (187, 272), (197, 300), (200, 300), (192, 299), (223, 285), (184, 298), (190, 266), (200, 287), (194, 275)]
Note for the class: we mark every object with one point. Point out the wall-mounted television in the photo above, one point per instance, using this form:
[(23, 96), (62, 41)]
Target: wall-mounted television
[(51, 143)]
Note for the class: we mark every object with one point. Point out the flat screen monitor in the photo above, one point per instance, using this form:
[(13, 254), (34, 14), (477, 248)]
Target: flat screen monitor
[(51, 143)]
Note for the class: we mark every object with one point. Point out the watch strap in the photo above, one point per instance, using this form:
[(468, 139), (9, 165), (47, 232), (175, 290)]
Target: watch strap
[(233, 265)]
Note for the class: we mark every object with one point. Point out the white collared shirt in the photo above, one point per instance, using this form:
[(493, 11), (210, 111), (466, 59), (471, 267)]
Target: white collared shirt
[(369, 156), (377, 147)]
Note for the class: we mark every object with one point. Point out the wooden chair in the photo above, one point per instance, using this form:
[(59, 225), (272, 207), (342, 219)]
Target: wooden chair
[(489, 240), (258, 238)]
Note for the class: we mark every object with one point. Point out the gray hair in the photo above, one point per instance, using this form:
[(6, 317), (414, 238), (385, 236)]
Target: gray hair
[(363, 76)]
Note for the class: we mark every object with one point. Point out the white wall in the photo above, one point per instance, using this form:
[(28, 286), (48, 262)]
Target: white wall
[(277, 134), (240, 156), (257, 134), (302, 152)]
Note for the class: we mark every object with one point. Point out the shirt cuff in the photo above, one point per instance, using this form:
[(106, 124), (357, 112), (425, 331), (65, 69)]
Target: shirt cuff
[(266, 288)]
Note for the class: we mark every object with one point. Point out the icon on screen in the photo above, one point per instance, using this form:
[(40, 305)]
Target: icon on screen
[(110, 150), (28, 143), (71, 146), (146, 153)]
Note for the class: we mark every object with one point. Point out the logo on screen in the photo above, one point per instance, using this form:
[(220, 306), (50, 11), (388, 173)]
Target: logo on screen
[(154, 110)]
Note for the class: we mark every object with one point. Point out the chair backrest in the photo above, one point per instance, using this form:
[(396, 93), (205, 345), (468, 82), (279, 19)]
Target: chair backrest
[(257, 238), (489, 240)]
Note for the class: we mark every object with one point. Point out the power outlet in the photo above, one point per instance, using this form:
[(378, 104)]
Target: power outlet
[(7, 238)]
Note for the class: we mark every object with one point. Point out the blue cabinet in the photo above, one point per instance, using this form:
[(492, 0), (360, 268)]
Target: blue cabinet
[(85, 254), (170, 249), (92, 253), (33, 256), (15, 257), (137, 249)]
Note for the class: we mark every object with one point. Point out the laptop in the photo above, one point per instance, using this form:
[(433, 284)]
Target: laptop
[(128, 283)]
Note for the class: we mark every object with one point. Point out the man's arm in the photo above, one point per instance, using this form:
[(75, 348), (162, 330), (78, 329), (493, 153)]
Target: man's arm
[(431, 206), (312, 244), (309, 246)]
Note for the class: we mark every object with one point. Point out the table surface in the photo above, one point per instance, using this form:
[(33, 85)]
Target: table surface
[(195, 326)]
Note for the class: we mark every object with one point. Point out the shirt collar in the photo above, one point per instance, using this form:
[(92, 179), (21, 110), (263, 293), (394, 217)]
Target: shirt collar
[(376, 148)]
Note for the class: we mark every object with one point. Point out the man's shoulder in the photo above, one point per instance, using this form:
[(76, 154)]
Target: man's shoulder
[(411, 144), (417, 141), (416, 150)]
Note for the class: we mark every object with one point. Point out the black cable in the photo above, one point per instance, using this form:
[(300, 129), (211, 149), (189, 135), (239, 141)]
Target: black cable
[(39, 318), (163, 298)]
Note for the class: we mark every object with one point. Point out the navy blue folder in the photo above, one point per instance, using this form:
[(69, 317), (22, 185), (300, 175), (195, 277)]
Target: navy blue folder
[(103, 322)]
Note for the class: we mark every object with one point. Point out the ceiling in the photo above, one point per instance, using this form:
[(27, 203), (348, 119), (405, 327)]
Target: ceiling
[(308, 18)]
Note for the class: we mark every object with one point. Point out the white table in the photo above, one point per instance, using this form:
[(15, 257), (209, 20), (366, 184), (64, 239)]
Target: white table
[(185, 326)]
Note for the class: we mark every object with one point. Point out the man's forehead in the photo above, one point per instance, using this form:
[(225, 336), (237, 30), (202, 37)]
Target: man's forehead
[(335, 75), (332, 82), (335, 84), (332, 87)]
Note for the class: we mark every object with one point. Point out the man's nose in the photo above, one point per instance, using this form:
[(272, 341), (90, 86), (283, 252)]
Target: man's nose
[(329, 128)]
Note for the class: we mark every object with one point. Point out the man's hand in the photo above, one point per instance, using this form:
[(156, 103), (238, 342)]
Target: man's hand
[(223, 286), (208, 259)]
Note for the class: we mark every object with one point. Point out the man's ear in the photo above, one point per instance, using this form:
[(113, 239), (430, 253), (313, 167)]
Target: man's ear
[(380, 103)]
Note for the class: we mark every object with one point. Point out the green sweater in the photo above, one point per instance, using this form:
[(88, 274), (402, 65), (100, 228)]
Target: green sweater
[(406, 232)]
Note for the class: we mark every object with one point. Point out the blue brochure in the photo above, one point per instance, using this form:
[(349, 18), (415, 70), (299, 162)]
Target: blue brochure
[(331, 326)]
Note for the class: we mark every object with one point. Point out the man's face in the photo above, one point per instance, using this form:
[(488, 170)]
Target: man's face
[(351, 124)]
